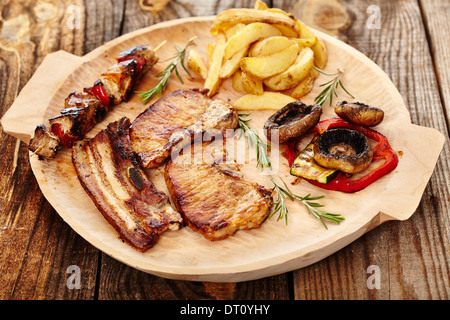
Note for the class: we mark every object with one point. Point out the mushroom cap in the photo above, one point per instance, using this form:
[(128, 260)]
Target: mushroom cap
[(293, 120), (343, 149)]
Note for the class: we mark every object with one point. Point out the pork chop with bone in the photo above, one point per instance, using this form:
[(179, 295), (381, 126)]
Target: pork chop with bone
[(176, 120)]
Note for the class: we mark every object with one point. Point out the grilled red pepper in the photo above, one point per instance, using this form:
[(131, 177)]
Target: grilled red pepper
[(100, 93), (342, 182)]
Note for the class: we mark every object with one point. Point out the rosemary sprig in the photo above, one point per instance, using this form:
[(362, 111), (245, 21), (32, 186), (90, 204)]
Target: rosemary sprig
[(179, 57), (331, 87), (312, 207), (253, 139), (280, 204)]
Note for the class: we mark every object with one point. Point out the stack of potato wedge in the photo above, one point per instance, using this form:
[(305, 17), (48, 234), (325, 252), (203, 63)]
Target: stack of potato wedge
[(267, 52)]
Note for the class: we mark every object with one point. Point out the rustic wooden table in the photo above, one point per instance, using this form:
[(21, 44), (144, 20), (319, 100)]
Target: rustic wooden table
[(408, 39)]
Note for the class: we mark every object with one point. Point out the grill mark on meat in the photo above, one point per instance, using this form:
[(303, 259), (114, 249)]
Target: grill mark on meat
[(213, 197), (129, 202), (176, 120)]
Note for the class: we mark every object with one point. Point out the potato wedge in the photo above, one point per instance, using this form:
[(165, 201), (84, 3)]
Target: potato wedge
[(247, 35), (269, 46), (251, 85), (304, 87), (287, 31), (320, 54), (231, 17), (196, 64), (268, 66), (209, 52), (298, 71), (267, 101), (212, 81), (308, 42), (305, 32), (233, 30), (259, 5), (230, 66), (237, 82)]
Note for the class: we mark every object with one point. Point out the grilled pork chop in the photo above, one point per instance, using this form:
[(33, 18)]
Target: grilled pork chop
[(176, 120), (108, 170), (212, 195)]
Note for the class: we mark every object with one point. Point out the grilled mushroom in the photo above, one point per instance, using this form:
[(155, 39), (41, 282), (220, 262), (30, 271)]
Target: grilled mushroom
[(293, 120), (359, 113), (343, 149)]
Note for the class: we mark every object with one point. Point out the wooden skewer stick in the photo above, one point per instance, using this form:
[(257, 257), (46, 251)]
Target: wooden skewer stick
[(160, 46), (36, 151)]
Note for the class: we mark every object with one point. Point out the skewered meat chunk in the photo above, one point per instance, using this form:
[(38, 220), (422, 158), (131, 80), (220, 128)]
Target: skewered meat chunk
[(86, 108), (82, 111), (45, 143), (212, 194), (110, 174), (175, 120)]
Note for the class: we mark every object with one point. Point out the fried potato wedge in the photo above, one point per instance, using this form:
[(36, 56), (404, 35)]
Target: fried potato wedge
[(196, 64), (305, 42), (252, 85), (287, 31), (298, 71), (268, 66), (230, 66), (237, 82), (304, 87), (212, 81), (259, 5), (320, 54), (267, 101), (269, 46), (247, 35), (231, 17), (305, 32)]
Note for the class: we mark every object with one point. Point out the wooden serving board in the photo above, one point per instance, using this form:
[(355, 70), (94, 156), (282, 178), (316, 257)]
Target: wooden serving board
[(275, 247)]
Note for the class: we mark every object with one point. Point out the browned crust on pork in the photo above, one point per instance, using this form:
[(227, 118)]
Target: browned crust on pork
[(214, 199), (110, 174), (176, 120)]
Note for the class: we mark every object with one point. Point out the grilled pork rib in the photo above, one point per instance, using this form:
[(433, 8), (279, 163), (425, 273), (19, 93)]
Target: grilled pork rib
[(84, 109), (212, 195), (108, 170), (176, 120)]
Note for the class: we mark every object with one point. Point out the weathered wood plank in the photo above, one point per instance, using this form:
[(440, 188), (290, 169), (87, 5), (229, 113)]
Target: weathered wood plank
[(36, 245), (436, 14), (412, 256)]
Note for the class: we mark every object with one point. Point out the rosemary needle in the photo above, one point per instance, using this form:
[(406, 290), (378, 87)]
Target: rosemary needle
[(165, 74), (254, 140), (331, 87), (308, 202)]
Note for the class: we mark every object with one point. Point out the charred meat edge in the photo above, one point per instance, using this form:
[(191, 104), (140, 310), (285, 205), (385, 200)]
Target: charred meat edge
[(110, 174), (215, 230), (86, 108), (180, 135)]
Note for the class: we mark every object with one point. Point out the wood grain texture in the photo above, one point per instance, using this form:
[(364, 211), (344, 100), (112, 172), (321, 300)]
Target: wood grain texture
[(413, 256), (36, 246)]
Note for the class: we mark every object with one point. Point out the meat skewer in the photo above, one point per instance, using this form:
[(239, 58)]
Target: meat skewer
[(82, 110)]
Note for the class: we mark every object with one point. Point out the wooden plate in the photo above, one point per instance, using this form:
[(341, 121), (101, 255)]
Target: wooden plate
[(272, 249)]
